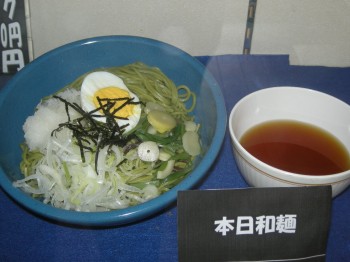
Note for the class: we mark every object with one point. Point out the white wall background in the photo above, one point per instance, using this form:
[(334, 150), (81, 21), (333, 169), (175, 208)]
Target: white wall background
[(312, 32), (200, 27)]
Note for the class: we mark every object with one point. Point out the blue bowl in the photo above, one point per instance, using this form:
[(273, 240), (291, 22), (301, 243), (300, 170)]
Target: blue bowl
[(59, 67)]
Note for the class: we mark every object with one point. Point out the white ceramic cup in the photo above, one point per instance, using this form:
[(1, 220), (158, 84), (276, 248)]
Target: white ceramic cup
[(288, 103)]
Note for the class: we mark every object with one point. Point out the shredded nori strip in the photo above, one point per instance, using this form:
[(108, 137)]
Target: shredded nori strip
[(86, 128)]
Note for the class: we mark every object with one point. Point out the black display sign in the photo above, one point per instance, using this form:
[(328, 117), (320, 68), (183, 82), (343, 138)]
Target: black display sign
[(254, 224), (13, 36)]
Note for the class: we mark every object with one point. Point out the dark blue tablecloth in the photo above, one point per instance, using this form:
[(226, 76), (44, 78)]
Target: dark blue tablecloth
[(25, 237)]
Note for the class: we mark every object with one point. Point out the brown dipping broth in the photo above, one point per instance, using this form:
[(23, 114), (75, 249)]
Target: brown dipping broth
[(296, 147)]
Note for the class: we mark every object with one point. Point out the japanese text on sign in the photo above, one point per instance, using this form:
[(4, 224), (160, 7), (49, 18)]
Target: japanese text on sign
[(12, 33), (248, 225)]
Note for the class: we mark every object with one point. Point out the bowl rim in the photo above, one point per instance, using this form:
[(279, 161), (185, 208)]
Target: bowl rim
[(141, 211), (274, 172)]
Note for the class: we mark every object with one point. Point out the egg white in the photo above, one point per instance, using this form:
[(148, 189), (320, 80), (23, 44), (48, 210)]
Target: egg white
[(101, 79)]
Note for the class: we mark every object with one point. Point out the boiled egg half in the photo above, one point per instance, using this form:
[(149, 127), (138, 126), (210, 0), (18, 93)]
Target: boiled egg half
[(99, 88)]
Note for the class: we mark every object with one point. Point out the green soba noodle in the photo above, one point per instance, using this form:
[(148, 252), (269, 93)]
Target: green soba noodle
[(150, 84)]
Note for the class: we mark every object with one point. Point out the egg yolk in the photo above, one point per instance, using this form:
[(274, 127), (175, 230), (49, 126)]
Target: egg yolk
[(118, 97)]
